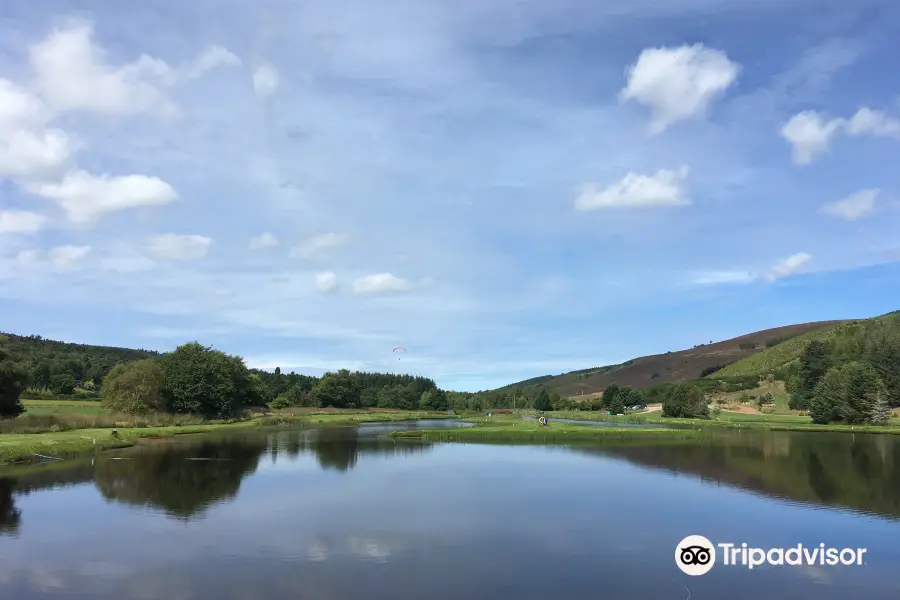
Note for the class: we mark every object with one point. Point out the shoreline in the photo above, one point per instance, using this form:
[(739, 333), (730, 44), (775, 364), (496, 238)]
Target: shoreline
[(762, 422), (20, 448)]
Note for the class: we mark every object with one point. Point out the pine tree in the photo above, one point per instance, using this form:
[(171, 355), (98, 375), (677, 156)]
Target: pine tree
[(881, 412)]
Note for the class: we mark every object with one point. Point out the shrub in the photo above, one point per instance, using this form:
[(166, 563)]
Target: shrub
[(134, 388), (280, 402)]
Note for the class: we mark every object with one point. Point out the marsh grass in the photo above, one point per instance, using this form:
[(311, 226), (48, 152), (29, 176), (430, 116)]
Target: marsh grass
[(55, 422)]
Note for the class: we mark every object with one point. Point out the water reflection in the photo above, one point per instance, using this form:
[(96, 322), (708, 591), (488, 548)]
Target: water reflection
[(184, 479), (165, 478), (9, 514), (859, 472)]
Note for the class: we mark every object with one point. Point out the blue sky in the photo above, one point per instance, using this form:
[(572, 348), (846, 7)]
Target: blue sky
[(506, 188)]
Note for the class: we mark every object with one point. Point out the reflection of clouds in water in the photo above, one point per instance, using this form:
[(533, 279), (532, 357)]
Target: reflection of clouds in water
[(369, 547), (318, 550), (40, 578), (819, 575)]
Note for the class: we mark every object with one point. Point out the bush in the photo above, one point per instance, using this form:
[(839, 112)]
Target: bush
[(12, 382), (280, 402), (685, 401), (134, 388)]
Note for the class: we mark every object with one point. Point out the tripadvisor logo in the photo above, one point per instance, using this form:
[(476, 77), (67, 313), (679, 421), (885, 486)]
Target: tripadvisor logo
[(696, 555)]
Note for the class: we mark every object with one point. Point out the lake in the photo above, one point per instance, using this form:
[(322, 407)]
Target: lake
[(346, 513)]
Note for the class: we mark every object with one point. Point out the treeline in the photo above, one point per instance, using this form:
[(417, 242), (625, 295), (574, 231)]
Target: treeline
[(852, 377), (56, 368)]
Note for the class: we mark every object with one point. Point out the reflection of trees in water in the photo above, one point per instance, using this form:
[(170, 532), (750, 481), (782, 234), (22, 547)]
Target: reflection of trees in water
[(9, 514), (339, 448), (860, 472), (165, 478)]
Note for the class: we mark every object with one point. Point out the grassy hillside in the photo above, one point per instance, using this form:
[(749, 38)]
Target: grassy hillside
[(670, 367), (848, 338), (778, 357)]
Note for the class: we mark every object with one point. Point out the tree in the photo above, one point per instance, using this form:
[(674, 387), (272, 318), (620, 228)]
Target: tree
[(62, 384), (609, 396), (433, 400), (863, 389), (683, 400), (852, 393), (198, 379), (134, 388), (336, 389), (13, 379), (881, 412), (824, 406), (814, 363), (542, 401), (884, 354)]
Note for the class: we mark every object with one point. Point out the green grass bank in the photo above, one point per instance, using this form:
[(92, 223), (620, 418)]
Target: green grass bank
[(21, 447)]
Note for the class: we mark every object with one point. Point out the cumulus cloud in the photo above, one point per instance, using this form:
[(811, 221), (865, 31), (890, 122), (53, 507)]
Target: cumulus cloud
[(262, 241), (380, 283), (787, 266), (21, 221), (85, 196), (873, 122), (172, 246), (854, 206), (326, 282), (319, 245), (265, 81), (663, 188), (678, 83), (72, 74), (809, 134), (29, 147)]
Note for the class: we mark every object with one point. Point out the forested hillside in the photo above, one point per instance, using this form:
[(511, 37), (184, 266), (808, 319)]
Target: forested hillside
[(59, 368)]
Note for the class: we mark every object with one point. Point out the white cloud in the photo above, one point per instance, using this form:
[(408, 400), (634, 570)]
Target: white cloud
[(265, 81), (326, 282), (663, 188), (28, 148), (678, 83), (211, 58), (21, 221), (809, 134), (873, 122), (788, 266), (319, 245), (381, 283), (854, 206), (172, 246), (723, 277), (72, 74), (262, 241), (86, 197), (67, 256), (60, 258)]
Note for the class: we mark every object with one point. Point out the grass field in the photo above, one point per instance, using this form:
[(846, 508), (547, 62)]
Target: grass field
[(513, 429), (52, 407), (774, 422)]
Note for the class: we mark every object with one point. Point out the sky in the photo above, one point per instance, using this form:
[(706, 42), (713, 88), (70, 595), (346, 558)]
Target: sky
[(505, 188)]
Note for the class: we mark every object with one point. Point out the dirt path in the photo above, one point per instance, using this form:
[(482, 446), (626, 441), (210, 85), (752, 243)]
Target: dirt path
[(747, 410)]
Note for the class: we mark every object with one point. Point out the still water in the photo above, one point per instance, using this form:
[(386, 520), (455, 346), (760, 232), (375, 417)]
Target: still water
[(348, 514)]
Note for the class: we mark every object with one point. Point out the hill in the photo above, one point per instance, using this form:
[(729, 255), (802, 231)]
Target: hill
[(45, 359), (783, 357), (683, 365)]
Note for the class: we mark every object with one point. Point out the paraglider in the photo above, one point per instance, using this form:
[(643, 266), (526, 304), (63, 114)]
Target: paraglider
[(398, 349)]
